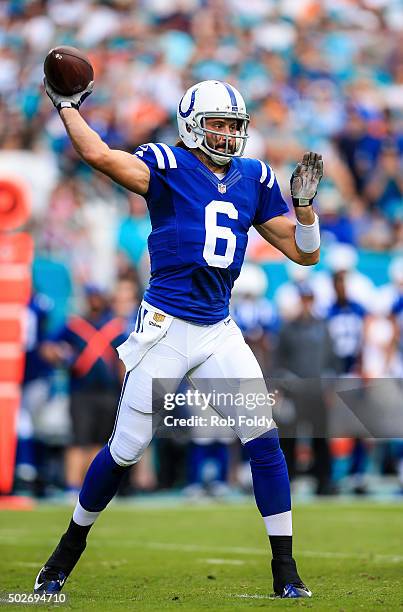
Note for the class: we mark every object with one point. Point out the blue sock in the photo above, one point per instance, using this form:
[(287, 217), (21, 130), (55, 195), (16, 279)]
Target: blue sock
[(101, 481), (271, 484)]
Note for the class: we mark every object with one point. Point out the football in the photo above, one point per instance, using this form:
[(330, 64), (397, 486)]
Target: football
[(68, 70)]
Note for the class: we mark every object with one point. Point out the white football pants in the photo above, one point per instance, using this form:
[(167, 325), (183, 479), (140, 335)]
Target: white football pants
[(165, 347)]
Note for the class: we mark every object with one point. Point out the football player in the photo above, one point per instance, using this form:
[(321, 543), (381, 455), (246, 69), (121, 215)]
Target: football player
[(203, 197)]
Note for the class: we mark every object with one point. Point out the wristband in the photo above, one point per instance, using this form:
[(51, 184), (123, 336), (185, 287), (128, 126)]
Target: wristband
[(301, 202), (66, 104), (307, 237)]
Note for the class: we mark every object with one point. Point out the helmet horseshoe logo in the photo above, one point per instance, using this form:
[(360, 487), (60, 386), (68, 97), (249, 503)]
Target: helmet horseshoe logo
[(191, 107)]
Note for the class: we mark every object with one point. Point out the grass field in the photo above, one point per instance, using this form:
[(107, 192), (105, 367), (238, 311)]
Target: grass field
[(213, 557)]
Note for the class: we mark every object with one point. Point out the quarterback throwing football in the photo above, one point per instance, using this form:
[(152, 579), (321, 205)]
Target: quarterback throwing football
[(203, 197)]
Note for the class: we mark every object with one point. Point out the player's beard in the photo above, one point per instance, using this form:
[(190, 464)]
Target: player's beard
[(220, 148), (207, 161)]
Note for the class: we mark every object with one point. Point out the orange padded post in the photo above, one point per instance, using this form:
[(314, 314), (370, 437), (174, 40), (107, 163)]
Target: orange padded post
[(16, 254), (9, 402)]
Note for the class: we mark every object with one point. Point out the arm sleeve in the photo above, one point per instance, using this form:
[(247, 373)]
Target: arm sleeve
[(271, 203)]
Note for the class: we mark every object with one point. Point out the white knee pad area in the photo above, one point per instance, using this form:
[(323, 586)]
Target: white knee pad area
[(131, 438)]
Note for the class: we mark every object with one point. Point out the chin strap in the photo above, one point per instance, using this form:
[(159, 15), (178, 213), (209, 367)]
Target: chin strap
[(217, 159)]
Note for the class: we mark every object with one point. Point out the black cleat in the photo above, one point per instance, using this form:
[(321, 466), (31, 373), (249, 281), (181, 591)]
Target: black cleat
[(58, 567), (292, 591), (286, 582), (49, 580)]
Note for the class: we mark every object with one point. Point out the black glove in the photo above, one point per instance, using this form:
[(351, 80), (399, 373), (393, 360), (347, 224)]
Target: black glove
[(306, 178)]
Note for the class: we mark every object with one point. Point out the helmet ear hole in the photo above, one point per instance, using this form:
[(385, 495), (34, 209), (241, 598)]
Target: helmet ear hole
[(188, 128)]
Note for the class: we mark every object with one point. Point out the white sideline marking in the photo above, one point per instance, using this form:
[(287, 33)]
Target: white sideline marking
[(247, 596), (240, 550), (203, 548), (215, 561), (236, 550)]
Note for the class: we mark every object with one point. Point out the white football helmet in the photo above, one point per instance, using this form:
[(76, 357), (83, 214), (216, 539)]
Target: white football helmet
[(212, 99)]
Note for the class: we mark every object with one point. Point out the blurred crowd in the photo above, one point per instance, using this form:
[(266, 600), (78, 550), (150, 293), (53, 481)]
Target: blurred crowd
[(316, 75)]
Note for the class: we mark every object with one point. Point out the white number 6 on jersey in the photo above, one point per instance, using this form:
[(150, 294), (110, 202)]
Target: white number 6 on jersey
[(214, 231)]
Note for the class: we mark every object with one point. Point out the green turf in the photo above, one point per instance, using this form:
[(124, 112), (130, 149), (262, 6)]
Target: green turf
[(209, 557)]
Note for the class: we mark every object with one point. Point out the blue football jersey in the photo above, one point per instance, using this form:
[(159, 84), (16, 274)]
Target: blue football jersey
[(346, 327), (199, 228)]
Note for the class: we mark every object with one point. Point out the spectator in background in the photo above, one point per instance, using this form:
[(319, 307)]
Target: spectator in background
[(126, 300), (384, 188), (337, 69), (286, 298), (359, 288), (305, 355), (390, 293), (358, 147), (381, 357), (254, 314), (86, 347), (346, 321), (335, 222)]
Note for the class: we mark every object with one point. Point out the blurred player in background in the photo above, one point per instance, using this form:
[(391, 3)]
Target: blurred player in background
[(202, 199), (254, 314), (126, 302), (85, 346), (346, 321), (305, 353)]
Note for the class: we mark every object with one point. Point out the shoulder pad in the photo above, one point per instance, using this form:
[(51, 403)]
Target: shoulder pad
[(157, 155), (258, 170), (267, 175)]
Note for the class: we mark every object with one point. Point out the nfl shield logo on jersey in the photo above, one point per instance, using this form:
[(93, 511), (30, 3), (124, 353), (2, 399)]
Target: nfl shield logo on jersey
[(222, 188)]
